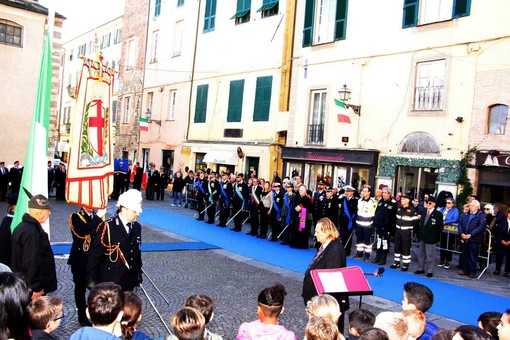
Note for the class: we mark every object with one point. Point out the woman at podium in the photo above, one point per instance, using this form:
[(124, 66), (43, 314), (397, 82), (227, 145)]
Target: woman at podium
[(330, 255)]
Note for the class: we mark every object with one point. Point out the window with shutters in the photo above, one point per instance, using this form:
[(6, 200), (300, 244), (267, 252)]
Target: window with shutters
[(422, 12), (154, 47), (262, 99), (180, 3), (201, 103), (157, 8), (325, 21), (235, 101), (269, 8), (498, 116), (243, 10), (429, 86), (171, 111), (210, 15)]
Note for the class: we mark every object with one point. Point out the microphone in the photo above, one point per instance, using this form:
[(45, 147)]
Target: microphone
[(378, 272)]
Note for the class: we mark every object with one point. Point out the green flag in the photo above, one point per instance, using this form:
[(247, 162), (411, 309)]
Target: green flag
[(35, 173)]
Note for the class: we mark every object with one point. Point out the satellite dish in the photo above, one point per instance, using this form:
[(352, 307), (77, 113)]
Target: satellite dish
[(240, 152)]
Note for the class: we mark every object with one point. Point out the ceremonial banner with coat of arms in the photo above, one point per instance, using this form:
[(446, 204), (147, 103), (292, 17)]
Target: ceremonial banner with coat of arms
[(90, 174)]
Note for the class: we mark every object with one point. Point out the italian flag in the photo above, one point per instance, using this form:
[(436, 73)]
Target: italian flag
[(144, 124), (343, 116), (35, 173)]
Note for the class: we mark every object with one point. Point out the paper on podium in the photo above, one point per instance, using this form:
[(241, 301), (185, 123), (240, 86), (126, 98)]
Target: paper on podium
[(349, 280)]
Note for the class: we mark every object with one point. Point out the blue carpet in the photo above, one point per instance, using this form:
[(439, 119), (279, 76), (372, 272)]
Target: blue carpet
[(62, 249), (450, 301)]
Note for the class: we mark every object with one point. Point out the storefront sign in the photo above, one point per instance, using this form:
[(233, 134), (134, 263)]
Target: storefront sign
[(334, 156), (486, 159)]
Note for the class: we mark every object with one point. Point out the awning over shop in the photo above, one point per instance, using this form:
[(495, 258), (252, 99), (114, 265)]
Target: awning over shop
[(221, 157)]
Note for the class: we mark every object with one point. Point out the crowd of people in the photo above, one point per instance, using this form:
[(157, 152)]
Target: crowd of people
[(105, 257), (115, 314)]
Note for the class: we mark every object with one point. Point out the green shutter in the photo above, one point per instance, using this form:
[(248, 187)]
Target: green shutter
[(461, 8), (180, 3), (262, 99), (340, 19), (210, 15), (157, 8), (410, 17), (235, 101), (201, 103), (308, 25)]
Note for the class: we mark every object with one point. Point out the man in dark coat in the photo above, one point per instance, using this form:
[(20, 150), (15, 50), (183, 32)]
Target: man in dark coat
[(348, 209), (384, 222), (4, 181), (51, 177), (213, 192), (152, 181), (255, 191), (225, 199), (60, 181), (276, 211), (115, 252), (83, 224), (429, 231), (201, 192), (15, 174), (471, 229), (137, 179), (5, 231), (239, 201), (32, 256)]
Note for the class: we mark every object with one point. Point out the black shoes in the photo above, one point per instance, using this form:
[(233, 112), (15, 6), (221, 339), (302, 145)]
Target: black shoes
[(419, 272)]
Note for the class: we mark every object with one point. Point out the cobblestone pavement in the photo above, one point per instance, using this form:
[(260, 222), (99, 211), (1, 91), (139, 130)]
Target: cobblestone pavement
[(233, 281)]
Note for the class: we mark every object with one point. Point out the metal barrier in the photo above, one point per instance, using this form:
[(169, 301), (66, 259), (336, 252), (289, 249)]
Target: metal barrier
[(454, 245), (189, 196)]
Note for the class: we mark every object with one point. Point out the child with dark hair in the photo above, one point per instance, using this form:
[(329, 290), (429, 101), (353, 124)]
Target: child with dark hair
[(420, 297), (188, 324), (470, 332), (105, 304), (205, 305), (373, 334), (270, 306), (14, 297), (132, 315), (489, 322), (359, 320), (44, 315)]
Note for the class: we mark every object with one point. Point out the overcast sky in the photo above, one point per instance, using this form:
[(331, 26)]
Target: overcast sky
[(84, 15)]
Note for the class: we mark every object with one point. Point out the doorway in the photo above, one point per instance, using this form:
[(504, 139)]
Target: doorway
[(417, 181)]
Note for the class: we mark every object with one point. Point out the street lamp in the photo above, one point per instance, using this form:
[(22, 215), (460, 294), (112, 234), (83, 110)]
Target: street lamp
[(148, 115), (345, 95)]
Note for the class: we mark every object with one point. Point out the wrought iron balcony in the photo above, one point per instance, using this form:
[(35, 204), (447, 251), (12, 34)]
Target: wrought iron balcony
[(316, 134)]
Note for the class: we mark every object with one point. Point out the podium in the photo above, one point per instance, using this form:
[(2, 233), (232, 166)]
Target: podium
[(348, 281)]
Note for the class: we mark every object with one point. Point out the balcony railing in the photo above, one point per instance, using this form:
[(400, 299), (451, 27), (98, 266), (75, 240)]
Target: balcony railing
[(429, 98), (316, 134)]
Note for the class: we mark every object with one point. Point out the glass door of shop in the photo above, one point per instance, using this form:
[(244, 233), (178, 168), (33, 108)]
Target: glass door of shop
[(416, 181), (316, 172)]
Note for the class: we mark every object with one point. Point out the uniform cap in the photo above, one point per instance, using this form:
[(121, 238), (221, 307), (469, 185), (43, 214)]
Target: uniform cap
[(321, 182), (152, 164), (131, 199), (432, 199), (349, 188), (408, 196)]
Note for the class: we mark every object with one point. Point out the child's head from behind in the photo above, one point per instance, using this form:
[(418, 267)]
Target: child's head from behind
[(270, 301), (324, 305), (105, 303), (45, 313), (321, 328), (132, 313), (188, 324), (204, 304), (417, 296), (360, 320)]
